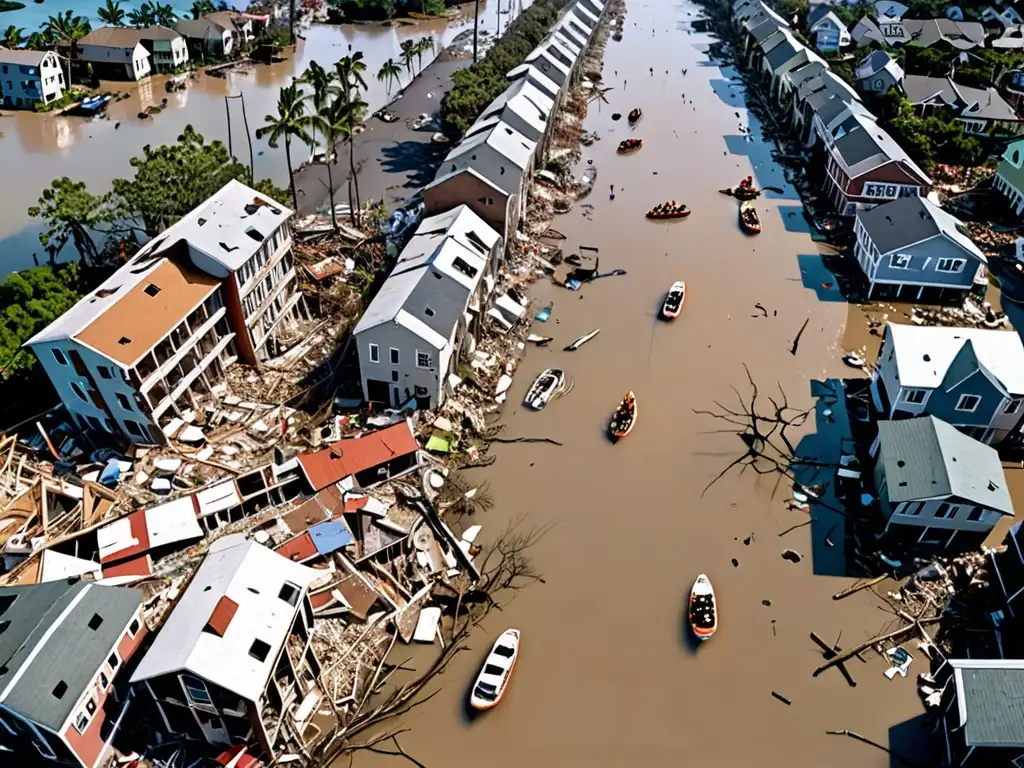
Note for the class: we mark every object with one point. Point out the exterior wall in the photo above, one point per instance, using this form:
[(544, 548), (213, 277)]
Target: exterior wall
[(135, 60), (959, 521), (168, 55), (23, 86), (1009, 178), (405, 376), (828, 36), (484, 200), (881, 82), (492, 165), (922, 268)]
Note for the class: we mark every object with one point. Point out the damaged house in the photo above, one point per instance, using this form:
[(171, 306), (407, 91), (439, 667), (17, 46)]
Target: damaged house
[(233, 663), (216, 287), (937, 488), (412, 335), (63, 648), (972, 378), (981, 723)]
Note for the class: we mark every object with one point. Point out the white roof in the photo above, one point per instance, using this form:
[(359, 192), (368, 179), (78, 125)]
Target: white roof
[(536, 76), (217, 497), (251, 577), (507, 141), (586, 15), (1001, 352), (166, 523), (567, 42), (573, 25), (56, 566), (542, 56), (524, 98)]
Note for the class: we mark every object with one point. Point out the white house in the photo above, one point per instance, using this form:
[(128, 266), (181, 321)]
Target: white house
[(972, 378), (500, 154), (29, 76), (234, 662), (168, 48), (410, 337), (827, 30), (523, 107), (552, 62), (537, 78), (572, 25), (209, 35), (116, 52), (215, 287)]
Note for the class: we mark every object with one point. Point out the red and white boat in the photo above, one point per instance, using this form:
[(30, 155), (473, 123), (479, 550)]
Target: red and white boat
[(703, 613), (493, 679), (674, 301)]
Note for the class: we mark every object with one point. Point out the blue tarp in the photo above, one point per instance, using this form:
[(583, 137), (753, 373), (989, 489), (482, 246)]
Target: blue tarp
[(330, 536)]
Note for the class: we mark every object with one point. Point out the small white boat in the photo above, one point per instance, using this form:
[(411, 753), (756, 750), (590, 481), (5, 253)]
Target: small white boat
[(582, 340), (854, 360), (674, 301), (703, 613), (548, 383), (493, 679)]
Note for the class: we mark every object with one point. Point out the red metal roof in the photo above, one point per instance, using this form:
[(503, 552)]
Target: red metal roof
[(298, 549), (355, 455), (140, 532), (222, 615), (140, 566)]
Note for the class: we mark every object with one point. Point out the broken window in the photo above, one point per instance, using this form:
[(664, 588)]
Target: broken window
[(6, 601), (105, 372), (123, 401), (476, 242), (259, 650), (59, 356), (462, 266), (152, 290), (289, 593), (77, 389)]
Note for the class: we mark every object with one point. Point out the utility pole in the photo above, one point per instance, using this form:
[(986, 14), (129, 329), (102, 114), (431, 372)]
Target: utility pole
[(476, 28)]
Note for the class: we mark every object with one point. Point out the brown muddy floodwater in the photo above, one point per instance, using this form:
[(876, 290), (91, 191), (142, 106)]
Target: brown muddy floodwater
[(35, 149), (607, 675)]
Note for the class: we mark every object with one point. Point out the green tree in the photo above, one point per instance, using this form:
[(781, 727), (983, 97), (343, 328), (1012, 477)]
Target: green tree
[(172, 179), (291, 120), (355, 108), (143, 16), (13, 37), (389, 71), (31, 300), (71, 213), (421, 47), (407, 54), (67, 26), (201, 8), (350, 72), (332, 120), (111, 14), (39, 41), (164, 14), (321, 81)]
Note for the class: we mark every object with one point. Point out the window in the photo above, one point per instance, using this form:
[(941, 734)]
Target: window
[(133, 628), (394, 356), (105, 372), (133, 428), (289, 593), (152, 290), (95, 622), (975, 514), (913, 508), (394, 375), (968, 403), (428, 312), (915, 396), (113, 661), (946, 511), (104, 682), (1013, 405), (59, 356), (464, 267), (81, 722), (953, 266), (374, 353), (899, 261), (59, 690), (259, 650), (77, 389), (90, 706), (123, 401), (423, 359), (196, 690)]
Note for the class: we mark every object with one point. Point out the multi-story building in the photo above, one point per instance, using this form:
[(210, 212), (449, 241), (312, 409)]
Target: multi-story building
[(167, 48), (27, 77), (216, 287), (116, 53)]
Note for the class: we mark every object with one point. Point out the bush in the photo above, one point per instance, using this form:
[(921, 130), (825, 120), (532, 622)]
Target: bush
[(483, 82)]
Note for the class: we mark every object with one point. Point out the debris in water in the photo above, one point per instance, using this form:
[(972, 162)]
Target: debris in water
[(792, 555), (796, 341), (540, 341), (545, 314), (766, 603), (749, 540), (616, 115), (582, 340), (773, 628), (782, 698), (735, 563), (760, 307)]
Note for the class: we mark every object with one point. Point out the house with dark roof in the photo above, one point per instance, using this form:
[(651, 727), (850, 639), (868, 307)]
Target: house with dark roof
[(981, 111), (877, 74), (811, 93), (63, 647), (911, 249), (828, 32), (217, 34), (937, 488), (886, 31), (972, 378), (791, 56), (1008, 570), (866, 167), (116, 53), (982, 713), (961, 35), (27, 77), (234, 662)]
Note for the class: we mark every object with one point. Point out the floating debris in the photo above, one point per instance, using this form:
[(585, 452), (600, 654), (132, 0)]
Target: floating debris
[(582, 340)]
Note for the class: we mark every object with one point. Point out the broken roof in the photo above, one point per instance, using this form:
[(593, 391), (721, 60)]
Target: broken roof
[(147, 529), (990, 701), (230, 624), (962, 35), (55, 637), (981, 103), (909, 220), (926, 458), (924, 354), (355, 455)]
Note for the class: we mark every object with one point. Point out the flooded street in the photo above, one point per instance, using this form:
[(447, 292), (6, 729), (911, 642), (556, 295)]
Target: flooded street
[(608, 675), (35, 149)]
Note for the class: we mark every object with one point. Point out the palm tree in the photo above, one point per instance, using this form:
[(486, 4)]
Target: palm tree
[(143, 16), (201, 8), (291, 120), (389, 70), (408, 51), (39, 41), (349, 71), (321, 81), (333, 120), (421, 47), (111, 14), (355, 108), (13, 37), (164, 14), (476, 27), (65, 26)]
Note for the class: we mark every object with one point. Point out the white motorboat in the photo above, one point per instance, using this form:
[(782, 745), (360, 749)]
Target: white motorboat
[(548, 383), (703, 613), (674, 301), (493, 679)]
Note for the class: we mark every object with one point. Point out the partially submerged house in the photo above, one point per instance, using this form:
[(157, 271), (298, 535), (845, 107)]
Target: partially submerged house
[(116, 53), (981, 718), (233, 662), (1009, 177), (866, 167), (415, 330), (63, 648), (27, 77), (790, 56), (499, 209), (216, 34), (981, 111), (215, 287), (937, 488), (168, 49), (811, 94), (972, 378), (877, 74), (911, 249)]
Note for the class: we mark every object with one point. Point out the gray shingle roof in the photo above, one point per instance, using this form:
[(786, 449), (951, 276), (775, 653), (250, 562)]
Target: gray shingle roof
[(782, 53), (909, 220), (990, 698), (71, 654), (926, 458), (21, 56)]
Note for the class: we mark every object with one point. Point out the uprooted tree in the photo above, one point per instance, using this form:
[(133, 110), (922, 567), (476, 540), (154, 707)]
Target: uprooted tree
[(505, 569)]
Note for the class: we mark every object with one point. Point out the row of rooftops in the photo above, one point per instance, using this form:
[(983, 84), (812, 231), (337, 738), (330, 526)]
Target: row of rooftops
[(127, 37), (170, 276)]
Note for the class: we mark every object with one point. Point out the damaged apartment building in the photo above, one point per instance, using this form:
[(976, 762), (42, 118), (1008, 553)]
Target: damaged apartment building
[(217, 287)]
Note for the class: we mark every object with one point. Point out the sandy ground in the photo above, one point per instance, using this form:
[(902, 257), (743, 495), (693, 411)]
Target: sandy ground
[(608, 675)]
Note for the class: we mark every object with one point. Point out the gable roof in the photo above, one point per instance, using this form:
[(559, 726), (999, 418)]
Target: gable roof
[(237, 591), (926, 458), (355, 455), (990, 701), (983, 103), (827, 15), (158, 32), (876, 62), (865, 146), (924, 354), (22, 56), (201, 27), (113, 37), (782, 53), (50, 644), (890, 9), (526, 100), (762, 27), (908, 220), (800, 75), (503, 139), (537, 77), (472, 172), (962, 35)]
